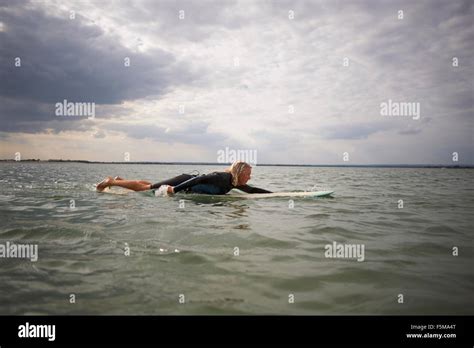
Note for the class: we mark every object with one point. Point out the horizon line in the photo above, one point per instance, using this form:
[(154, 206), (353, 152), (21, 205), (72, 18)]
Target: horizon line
[(398, 165)]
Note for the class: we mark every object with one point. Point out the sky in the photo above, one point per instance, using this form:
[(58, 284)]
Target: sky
[(298, 82)]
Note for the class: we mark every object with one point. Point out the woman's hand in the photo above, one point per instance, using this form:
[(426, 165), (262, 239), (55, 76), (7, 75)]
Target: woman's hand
[(164, 190)]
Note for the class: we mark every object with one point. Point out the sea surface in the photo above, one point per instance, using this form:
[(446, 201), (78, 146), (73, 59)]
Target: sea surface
[(189, 254)]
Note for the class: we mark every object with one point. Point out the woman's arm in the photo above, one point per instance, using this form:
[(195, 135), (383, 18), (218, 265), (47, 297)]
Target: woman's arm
[(250, 189)]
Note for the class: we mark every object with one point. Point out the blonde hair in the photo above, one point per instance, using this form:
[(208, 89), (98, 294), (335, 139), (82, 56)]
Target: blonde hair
[(236, 169)]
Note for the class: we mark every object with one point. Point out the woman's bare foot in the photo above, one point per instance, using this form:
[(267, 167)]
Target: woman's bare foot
[(118, 178), (103, 184)]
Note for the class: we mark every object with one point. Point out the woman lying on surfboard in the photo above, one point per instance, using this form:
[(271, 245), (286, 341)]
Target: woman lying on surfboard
[(216, 183)]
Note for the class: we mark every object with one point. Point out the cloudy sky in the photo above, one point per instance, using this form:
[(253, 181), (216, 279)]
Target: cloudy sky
[(298, 81)]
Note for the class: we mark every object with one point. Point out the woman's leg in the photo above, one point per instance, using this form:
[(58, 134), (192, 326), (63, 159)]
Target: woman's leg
[(141, 185), (135, 185), (142, 181)]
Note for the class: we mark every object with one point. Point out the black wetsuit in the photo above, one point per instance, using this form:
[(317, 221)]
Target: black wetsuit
[(217, 183)]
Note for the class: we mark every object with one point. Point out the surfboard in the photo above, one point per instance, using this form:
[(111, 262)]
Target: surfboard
[(282, 194), (231, 194)]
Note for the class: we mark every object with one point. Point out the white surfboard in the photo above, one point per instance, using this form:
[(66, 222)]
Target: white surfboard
[(232, 194), (282, 194)]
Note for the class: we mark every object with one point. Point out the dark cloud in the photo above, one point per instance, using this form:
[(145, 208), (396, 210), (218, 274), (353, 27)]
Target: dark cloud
[(23, 115), (26, 116), (73, 60)]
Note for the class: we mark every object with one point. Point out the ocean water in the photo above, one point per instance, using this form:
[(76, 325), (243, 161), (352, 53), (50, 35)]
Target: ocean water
[(188, 253)]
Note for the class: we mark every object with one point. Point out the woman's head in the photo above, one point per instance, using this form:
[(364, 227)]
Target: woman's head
[(241, 172)]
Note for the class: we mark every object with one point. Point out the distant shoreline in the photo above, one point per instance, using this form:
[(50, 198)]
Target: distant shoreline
[(460, 166)]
